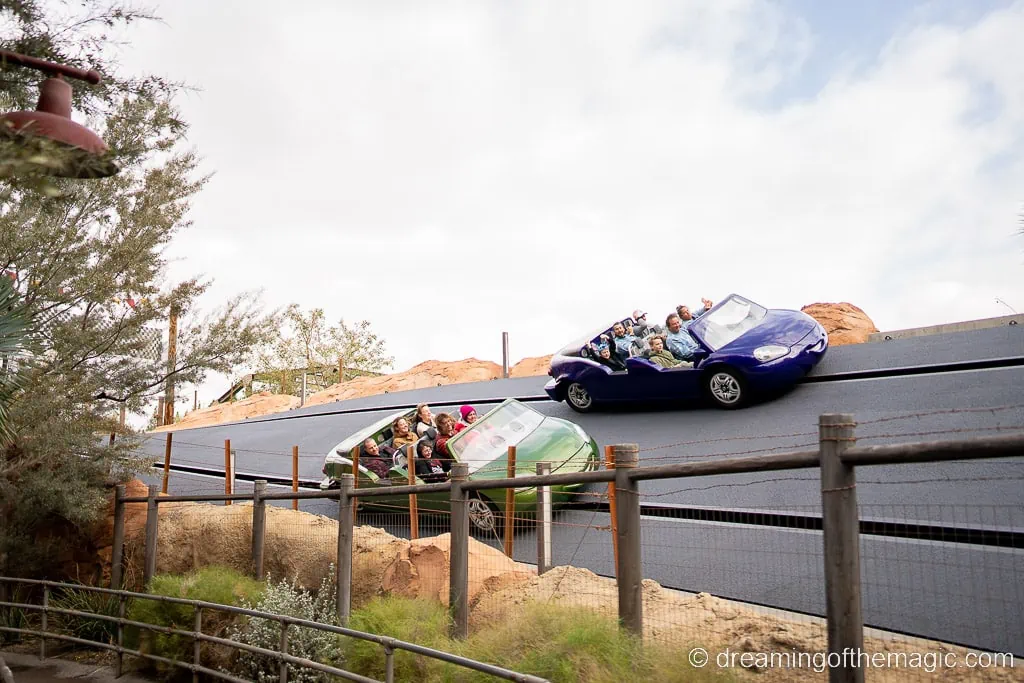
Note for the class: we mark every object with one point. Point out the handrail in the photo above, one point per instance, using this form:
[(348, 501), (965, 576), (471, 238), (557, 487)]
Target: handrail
[(389, 644)]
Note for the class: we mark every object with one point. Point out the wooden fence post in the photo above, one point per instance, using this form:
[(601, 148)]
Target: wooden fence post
[(152, 525), (841, 534), (227, 469), (458, 555), (343, 566), (259, 526), (609, 464), (414, 510), (295, 476), (167, 460), (355, 481), (543, 521), (630, 567), (510, 502), (117, 548)]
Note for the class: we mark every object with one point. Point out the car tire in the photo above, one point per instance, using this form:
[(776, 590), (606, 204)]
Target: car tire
[(725, 387), (578, 398), (484, 516)]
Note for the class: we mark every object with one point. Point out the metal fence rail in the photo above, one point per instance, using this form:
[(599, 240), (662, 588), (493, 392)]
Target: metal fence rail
[(389, 645), (837, 517)]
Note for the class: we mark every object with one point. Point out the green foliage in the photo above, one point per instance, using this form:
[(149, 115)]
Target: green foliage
[(312, 644), (564, 646), (88, 262), (92, 602), (210, 584), (14, 331), (424, 622), (305, 340)]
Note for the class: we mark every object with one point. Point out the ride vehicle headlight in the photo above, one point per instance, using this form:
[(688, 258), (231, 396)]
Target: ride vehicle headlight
[(770, 352)]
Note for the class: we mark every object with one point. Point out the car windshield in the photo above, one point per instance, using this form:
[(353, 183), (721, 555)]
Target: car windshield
[(733, 318), (489, 437)]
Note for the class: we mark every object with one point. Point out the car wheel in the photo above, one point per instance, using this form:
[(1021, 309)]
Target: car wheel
[(578, 398), (725, 387), (484, 516)]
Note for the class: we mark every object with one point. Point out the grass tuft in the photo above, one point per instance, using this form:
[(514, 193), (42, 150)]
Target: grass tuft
[(424, 622)]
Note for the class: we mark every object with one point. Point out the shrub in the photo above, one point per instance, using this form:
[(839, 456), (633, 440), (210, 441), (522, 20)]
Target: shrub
[(424, 622), (210, 584), (570, 646), (93, 602), (287, 599)]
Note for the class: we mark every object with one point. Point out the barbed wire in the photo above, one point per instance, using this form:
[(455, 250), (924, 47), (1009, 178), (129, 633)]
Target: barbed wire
[(943, 411), (952, 430)]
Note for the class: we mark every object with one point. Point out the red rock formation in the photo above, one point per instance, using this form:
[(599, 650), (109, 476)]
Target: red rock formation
[(531, 367), (844, 322)]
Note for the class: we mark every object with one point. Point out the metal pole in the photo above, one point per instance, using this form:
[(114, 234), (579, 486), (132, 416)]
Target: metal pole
[(414, 511), (609, 463), (543, 521), (152, 524), (195, 399), (227, 469), (117, 549), (302, 402), (259, 526), (282, 647), (504, 355), (46, 607), (295, 476), (510, 502), (630, 569), (231, 481), (167, 461), (343, 567), (197, 624), (119, 659), (845, 623), (458, 557)]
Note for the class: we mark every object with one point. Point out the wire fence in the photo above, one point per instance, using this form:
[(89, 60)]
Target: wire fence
[(942, 576)]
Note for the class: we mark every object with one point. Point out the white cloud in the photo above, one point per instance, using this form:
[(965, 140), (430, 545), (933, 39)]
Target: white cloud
[(450, 170)]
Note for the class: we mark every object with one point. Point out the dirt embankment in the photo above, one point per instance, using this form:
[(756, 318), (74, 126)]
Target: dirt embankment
[(303, 546)]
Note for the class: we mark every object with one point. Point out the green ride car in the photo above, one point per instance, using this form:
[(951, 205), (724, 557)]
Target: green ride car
[(482, 445)]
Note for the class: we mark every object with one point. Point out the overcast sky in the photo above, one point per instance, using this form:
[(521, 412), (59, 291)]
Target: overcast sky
[(452, 170)]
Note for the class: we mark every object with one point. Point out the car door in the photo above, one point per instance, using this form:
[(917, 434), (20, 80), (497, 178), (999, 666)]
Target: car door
[(649, 381)]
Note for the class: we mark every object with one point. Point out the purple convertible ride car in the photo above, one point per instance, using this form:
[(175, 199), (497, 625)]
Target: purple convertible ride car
[(744, 350)]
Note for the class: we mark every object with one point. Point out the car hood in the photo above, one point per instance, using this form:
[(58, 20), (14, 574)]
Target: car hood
[(778, 327), (556, 441)]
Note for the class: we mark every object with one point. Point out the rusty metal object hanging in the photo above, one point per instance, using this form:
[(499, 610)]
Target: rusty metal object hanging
[(82, 153)]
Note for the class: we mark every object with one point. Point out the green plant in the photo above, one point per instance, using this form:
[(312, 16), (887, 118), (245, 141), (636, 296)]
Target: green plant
[(13, 617), (209, 584), (287, 599), (424, 622), (571, 646), (92, 602)]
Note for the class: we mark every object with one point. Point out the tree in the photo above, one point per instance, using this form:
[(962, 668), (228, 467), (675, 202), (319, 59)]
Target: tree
[(14, 332), (305, 341), (86, 257)]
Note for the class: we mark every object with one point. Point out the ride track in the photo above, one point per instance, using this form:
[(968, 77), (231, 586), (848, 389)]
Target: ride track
[(943, 543)]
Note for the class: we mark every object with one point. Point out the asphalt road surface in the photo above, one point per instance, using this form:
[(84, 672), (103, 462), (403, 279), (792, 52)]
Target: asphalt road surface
[(960, 592)]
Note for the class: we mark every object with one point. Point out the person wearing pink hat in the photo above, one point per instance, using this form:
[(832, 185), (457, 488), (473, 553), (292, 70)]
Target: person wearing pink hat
[(469, 416)]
